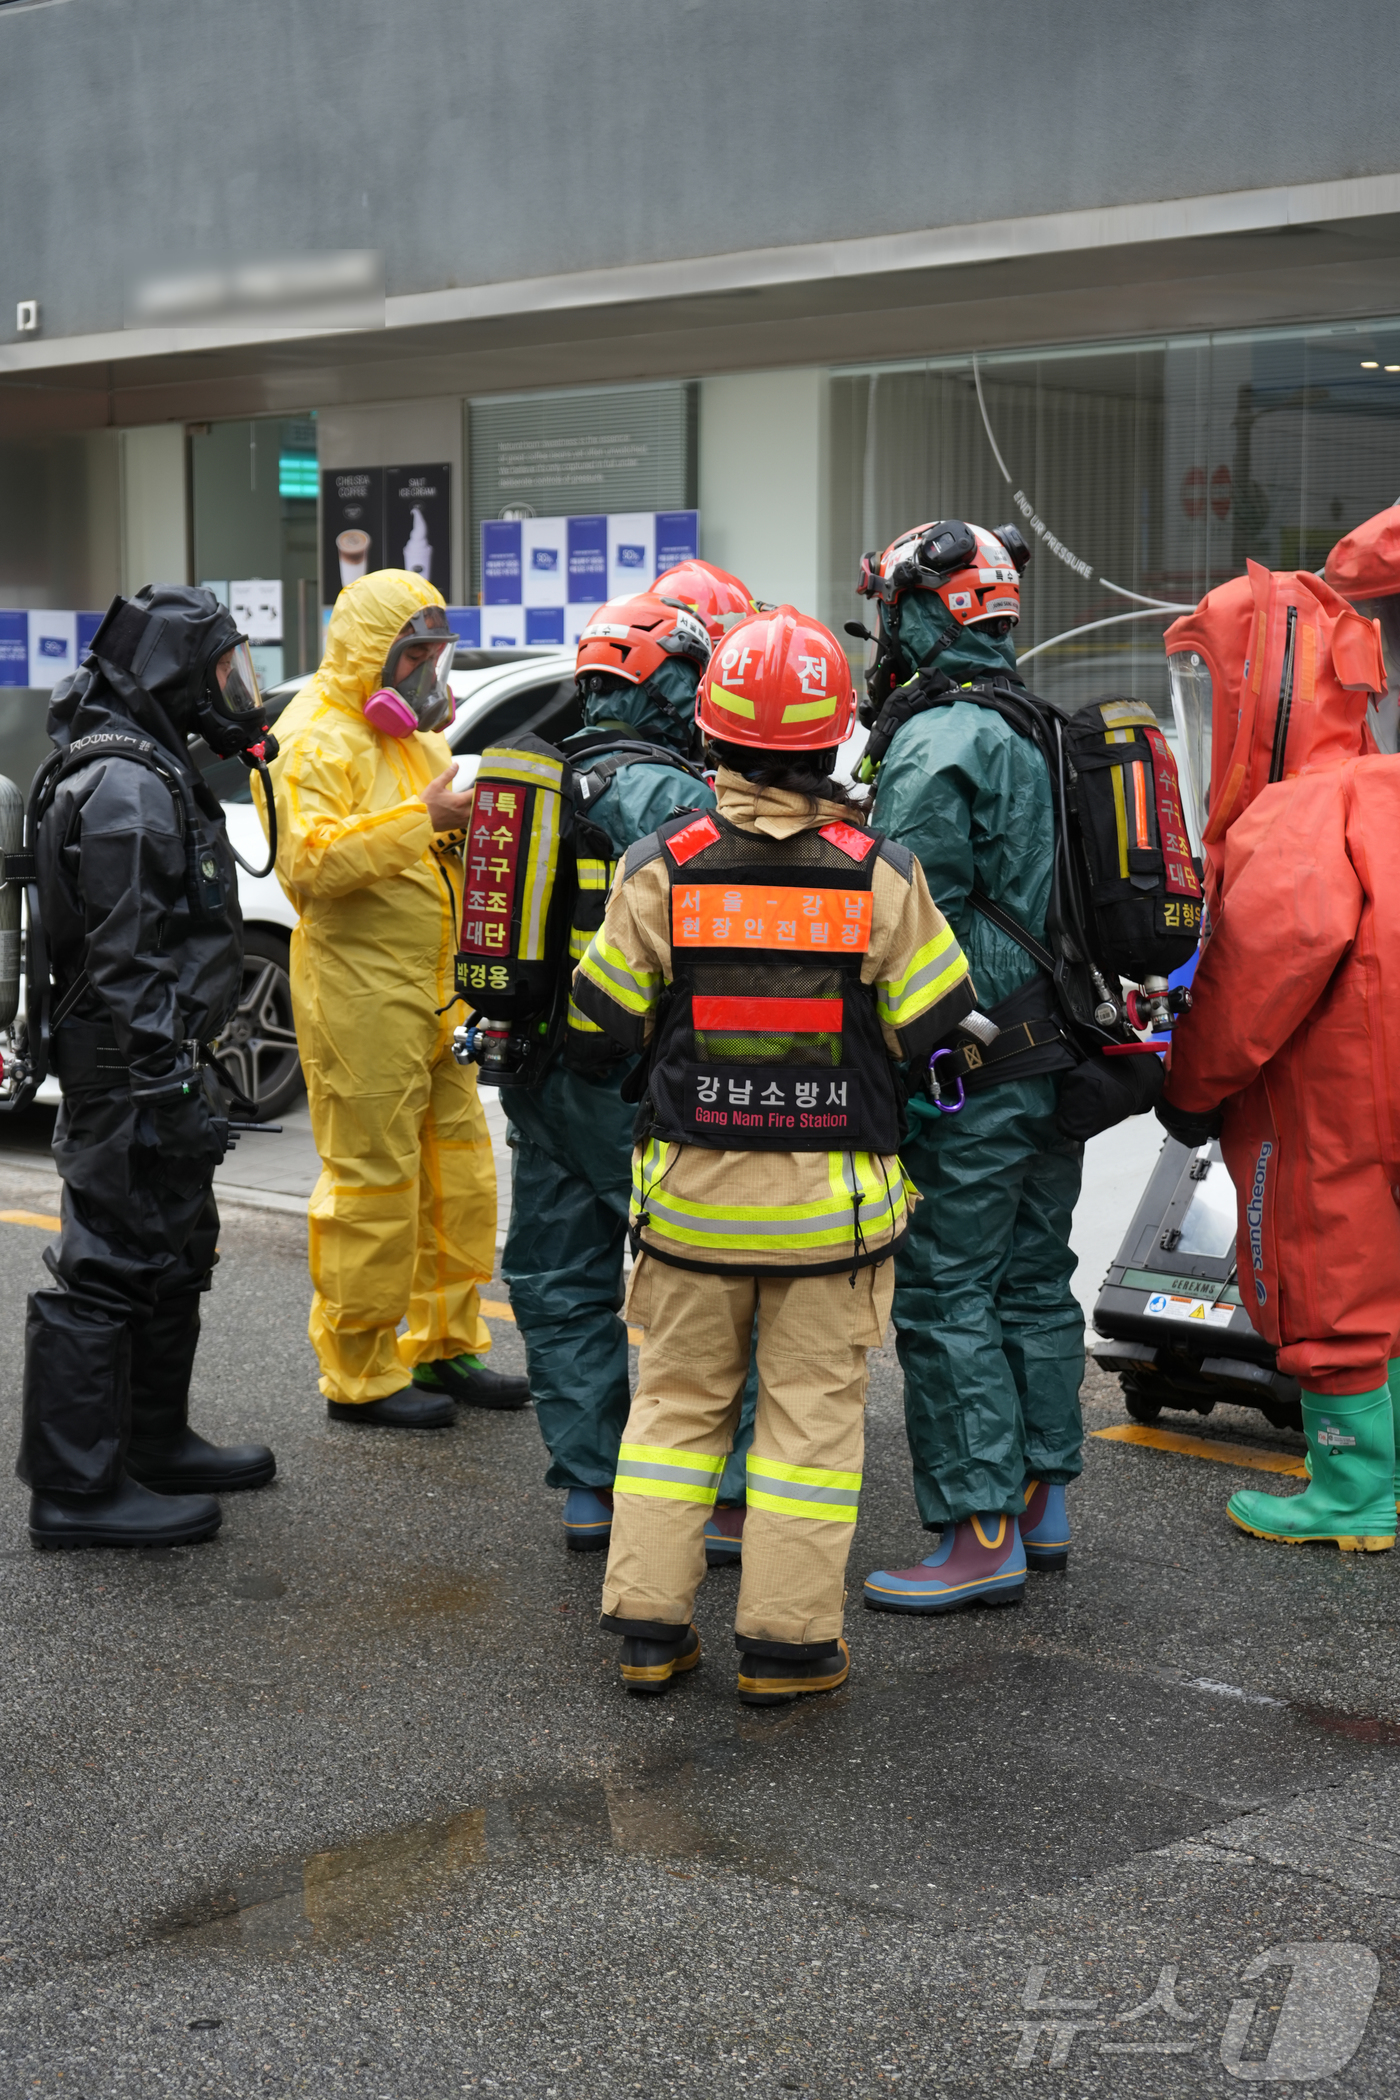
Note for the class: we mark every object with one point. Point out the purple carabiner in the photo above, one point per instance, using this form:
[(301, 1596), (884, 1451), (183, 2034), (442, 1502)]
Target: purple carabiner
[(945, 1108)]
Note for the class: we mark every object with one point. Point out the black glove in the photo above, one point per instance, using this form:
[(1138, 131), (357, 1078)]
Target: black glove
[(1104, 1091), (1190, 1126)]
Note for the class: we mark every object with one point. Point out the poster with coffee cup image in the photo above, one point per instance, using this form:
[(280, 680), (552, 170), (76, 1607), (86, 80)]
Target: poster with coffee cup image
[(352, 526), (385, 518)]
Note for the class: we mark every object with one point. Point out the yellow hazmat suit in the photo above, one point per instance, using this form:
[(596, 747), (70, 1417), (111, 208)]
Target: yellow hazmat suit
[(403, 1218)]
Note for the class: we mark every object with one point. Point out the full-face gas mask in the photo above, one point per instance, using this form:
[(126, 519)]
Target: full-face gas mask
[(413, 691), (228, 707), (183, 648)]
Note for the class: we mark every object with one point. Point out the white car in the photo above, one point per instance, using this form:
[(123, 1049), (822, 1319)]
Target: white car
[(497, 692)]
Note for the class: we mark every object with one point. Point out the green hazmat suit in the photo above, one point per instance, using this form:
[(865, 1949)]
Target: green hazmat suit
[(571, 1160), (989, 1333)]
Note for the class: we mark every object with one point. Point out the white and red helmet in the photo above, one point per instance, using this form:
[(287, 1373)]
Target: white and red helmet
[(632, 638), (779, 681), (975, 572)]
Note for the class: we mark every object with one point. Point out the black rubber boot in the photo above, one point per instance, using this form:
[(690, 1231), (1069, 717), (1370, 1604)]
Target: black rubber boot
[(192, 1466), (129, 1515), (649, 1665), (773, 1680), (165, 1454), (471, 1384), (408, 1409)]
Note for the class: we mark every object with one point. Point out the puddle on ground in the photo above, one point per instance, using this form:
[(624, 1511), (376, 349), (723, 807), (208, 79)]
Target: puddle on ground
[(360, 1890)]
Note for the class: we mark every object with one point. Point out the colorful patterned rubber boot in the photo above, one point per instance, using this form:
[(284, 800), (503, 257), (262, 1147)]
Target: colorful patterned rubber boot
[(649, 1665), (980, 1561), (1350, 1499), (724, 1536), (588, 1515), (1044, 1527)]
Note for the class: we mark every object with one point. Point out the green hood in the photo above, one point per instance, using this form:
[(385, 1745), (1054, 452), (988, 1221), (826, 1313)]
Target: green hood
[(924, 620), (662, 711)]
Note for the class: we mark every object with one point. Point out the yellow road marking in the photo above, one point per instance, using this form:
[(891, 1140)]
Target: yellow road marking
[(494, 1311), (1204, 1447)]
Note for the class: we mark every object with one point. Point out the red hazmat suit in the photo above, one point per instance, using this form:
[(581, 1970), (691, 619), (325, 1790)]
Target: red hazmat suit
[(1295, 1021)]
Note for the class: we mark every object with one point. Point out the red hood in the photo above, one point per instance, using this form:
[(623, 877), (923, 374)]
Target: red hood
[(1366, 564), (1242, 632)]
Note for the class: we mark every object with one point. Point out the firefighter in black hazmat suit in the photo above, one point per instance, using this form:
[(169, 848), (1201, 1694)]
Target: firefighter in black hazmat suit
[(139, 903)]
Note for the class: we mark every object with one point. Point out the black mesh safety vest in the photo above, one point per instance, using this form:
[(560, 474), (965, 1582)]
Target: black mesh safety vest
[(768, 1040)]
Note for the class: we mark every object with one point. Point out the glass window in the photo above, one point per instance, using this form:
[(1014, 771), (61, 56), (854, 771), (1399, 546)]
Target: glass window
[(1138, 471)]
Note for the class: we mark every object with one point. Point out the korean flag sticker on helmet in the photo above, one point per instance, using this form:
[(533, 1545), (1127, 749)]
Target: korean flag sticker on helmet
[(960, 601)]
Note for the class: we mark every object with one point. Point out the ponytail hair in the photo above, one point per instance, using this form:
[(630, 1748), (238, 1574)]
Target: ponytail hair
[(805, 773)]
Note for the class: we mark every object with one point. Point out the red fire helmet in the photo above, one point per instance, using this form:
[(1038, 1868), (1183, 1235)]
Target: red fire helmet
[(719, 598), (632, 637), (780, 681)]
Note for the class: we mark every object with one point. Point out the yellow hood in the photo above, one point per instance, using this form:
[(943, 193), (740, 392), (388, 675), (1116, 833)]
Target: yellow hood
[(367, 616)]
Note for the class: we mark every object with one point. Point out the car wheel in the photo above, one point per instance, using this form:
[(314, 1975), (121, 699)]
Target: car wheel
[(258, 1049)]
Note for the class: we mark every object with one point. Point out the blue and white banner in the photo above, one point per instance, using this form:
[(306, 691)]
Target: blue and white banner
[(39, 648), (542, 577)]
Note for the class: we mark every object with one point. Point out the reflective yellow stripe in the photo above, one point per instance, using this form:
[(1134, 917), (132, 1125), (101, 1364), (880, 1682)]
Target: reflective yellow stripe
[(733, 703), (810, 710), (929, 978), (775, 1228), (635, 991), (542, 859), (581, 1022), (525, 767), (802, 1491), (1120, 814), (668, 1475), (802, 1476), (784, 1506), (592, 874)]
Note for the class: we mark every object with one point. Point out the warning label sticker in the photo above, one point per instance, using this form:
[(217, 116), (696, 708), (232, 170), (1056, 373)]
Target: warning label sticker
[(1162, 1305)]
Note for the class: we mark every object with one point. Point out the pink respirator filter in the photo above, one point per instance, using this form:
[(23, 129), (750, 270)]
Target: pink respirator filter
[(388, 712)]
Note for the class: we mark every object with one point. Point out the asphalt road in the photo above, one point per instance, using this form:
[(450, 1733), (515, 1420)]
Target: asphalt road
[(350, 1800)]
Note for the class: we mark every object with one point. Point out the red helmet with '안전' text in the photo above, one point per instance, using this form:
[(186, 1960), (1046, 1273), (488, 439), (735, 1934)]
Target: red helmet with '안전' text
[(718, 598), (779, 681)]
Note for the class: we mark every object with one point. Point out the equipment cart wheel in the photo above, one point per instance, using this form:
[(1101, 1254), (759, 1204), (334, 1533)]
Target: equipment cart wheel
[(1141, 1403)]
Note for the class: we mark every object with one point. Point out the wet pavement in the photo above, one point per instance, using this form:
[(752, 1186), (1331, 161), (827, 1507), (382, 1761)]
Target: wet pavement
[(350, 1800)]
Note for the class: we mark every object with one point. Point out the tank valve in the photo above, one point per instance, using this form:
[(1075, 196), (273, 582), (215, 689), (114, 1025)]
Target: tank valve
[(1156, 1004), (490, 1045)]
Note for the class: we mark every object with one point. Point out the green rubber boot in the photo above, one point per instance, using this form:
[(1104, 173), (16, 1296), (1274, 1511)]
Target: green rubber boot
[(1393, 1376), (1350, 1499)]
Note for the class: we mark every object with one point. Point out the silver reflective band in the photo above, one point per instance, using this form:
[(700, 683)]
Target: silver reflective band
[(798, 1491)]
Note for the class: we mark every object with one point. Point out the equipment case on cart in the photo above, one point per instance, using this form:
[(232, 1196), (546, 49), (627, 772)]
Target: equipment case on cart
[(1169, 1317)]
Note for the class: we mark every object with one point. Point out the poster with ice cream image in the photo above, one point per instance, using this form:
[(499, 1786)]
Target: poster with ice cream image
[(418, 523)]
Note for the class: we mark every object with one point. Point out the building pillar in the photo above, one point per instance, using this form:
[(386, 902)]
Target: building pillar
[(154, 507), (763, 482)]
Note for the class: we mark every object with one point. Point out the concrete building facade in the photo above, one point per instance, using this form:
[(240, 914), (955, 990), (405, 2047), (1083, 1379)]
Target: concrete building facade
[(1129, 275)]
